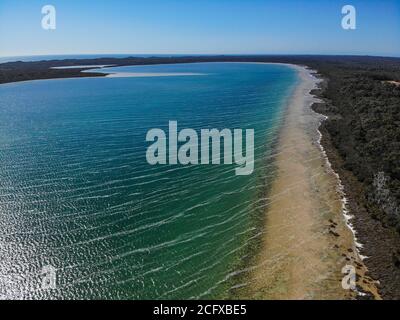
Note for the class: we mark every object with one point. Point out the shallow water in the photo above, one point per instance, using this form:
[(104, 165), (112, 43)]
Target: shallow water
[(77, 193)]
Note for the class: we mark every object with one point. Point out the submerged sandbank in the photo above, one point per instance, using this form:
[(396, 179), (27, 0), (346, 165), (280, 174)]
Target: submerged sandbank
[(150, 74)]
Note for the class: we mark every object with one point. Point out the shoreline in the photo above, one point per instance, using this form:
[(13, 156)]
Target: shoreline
[(376, 241), (307, 239)]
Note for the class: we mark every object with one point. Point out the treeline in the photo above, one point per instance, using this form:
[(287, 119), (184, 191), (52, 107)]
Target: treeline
[(363, 105)]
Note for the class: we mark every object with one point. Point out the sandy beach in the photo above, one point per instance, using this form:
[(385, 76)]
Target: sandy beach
[(307, 241)]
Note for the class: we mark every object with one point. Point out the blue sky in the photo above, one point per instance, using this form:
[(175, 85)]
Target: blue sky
[(200, 27)]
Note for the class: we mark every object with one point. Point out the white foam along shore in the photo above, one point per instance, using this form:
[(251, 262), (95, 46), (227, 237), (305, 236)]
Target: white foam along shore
[(340, 188)]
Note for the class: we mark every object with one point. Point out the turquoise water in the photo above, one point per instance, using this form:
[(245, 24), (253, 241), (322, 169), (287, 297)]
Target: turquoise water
[(77, 193)]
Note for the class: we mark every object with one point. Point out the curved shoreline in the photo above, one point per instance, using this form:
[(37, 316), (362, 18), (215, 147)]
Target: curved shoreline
[(306, 240)]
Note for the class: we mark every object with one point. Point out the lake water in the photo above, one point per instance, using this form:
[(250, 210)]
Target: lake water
[(77, 194)]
